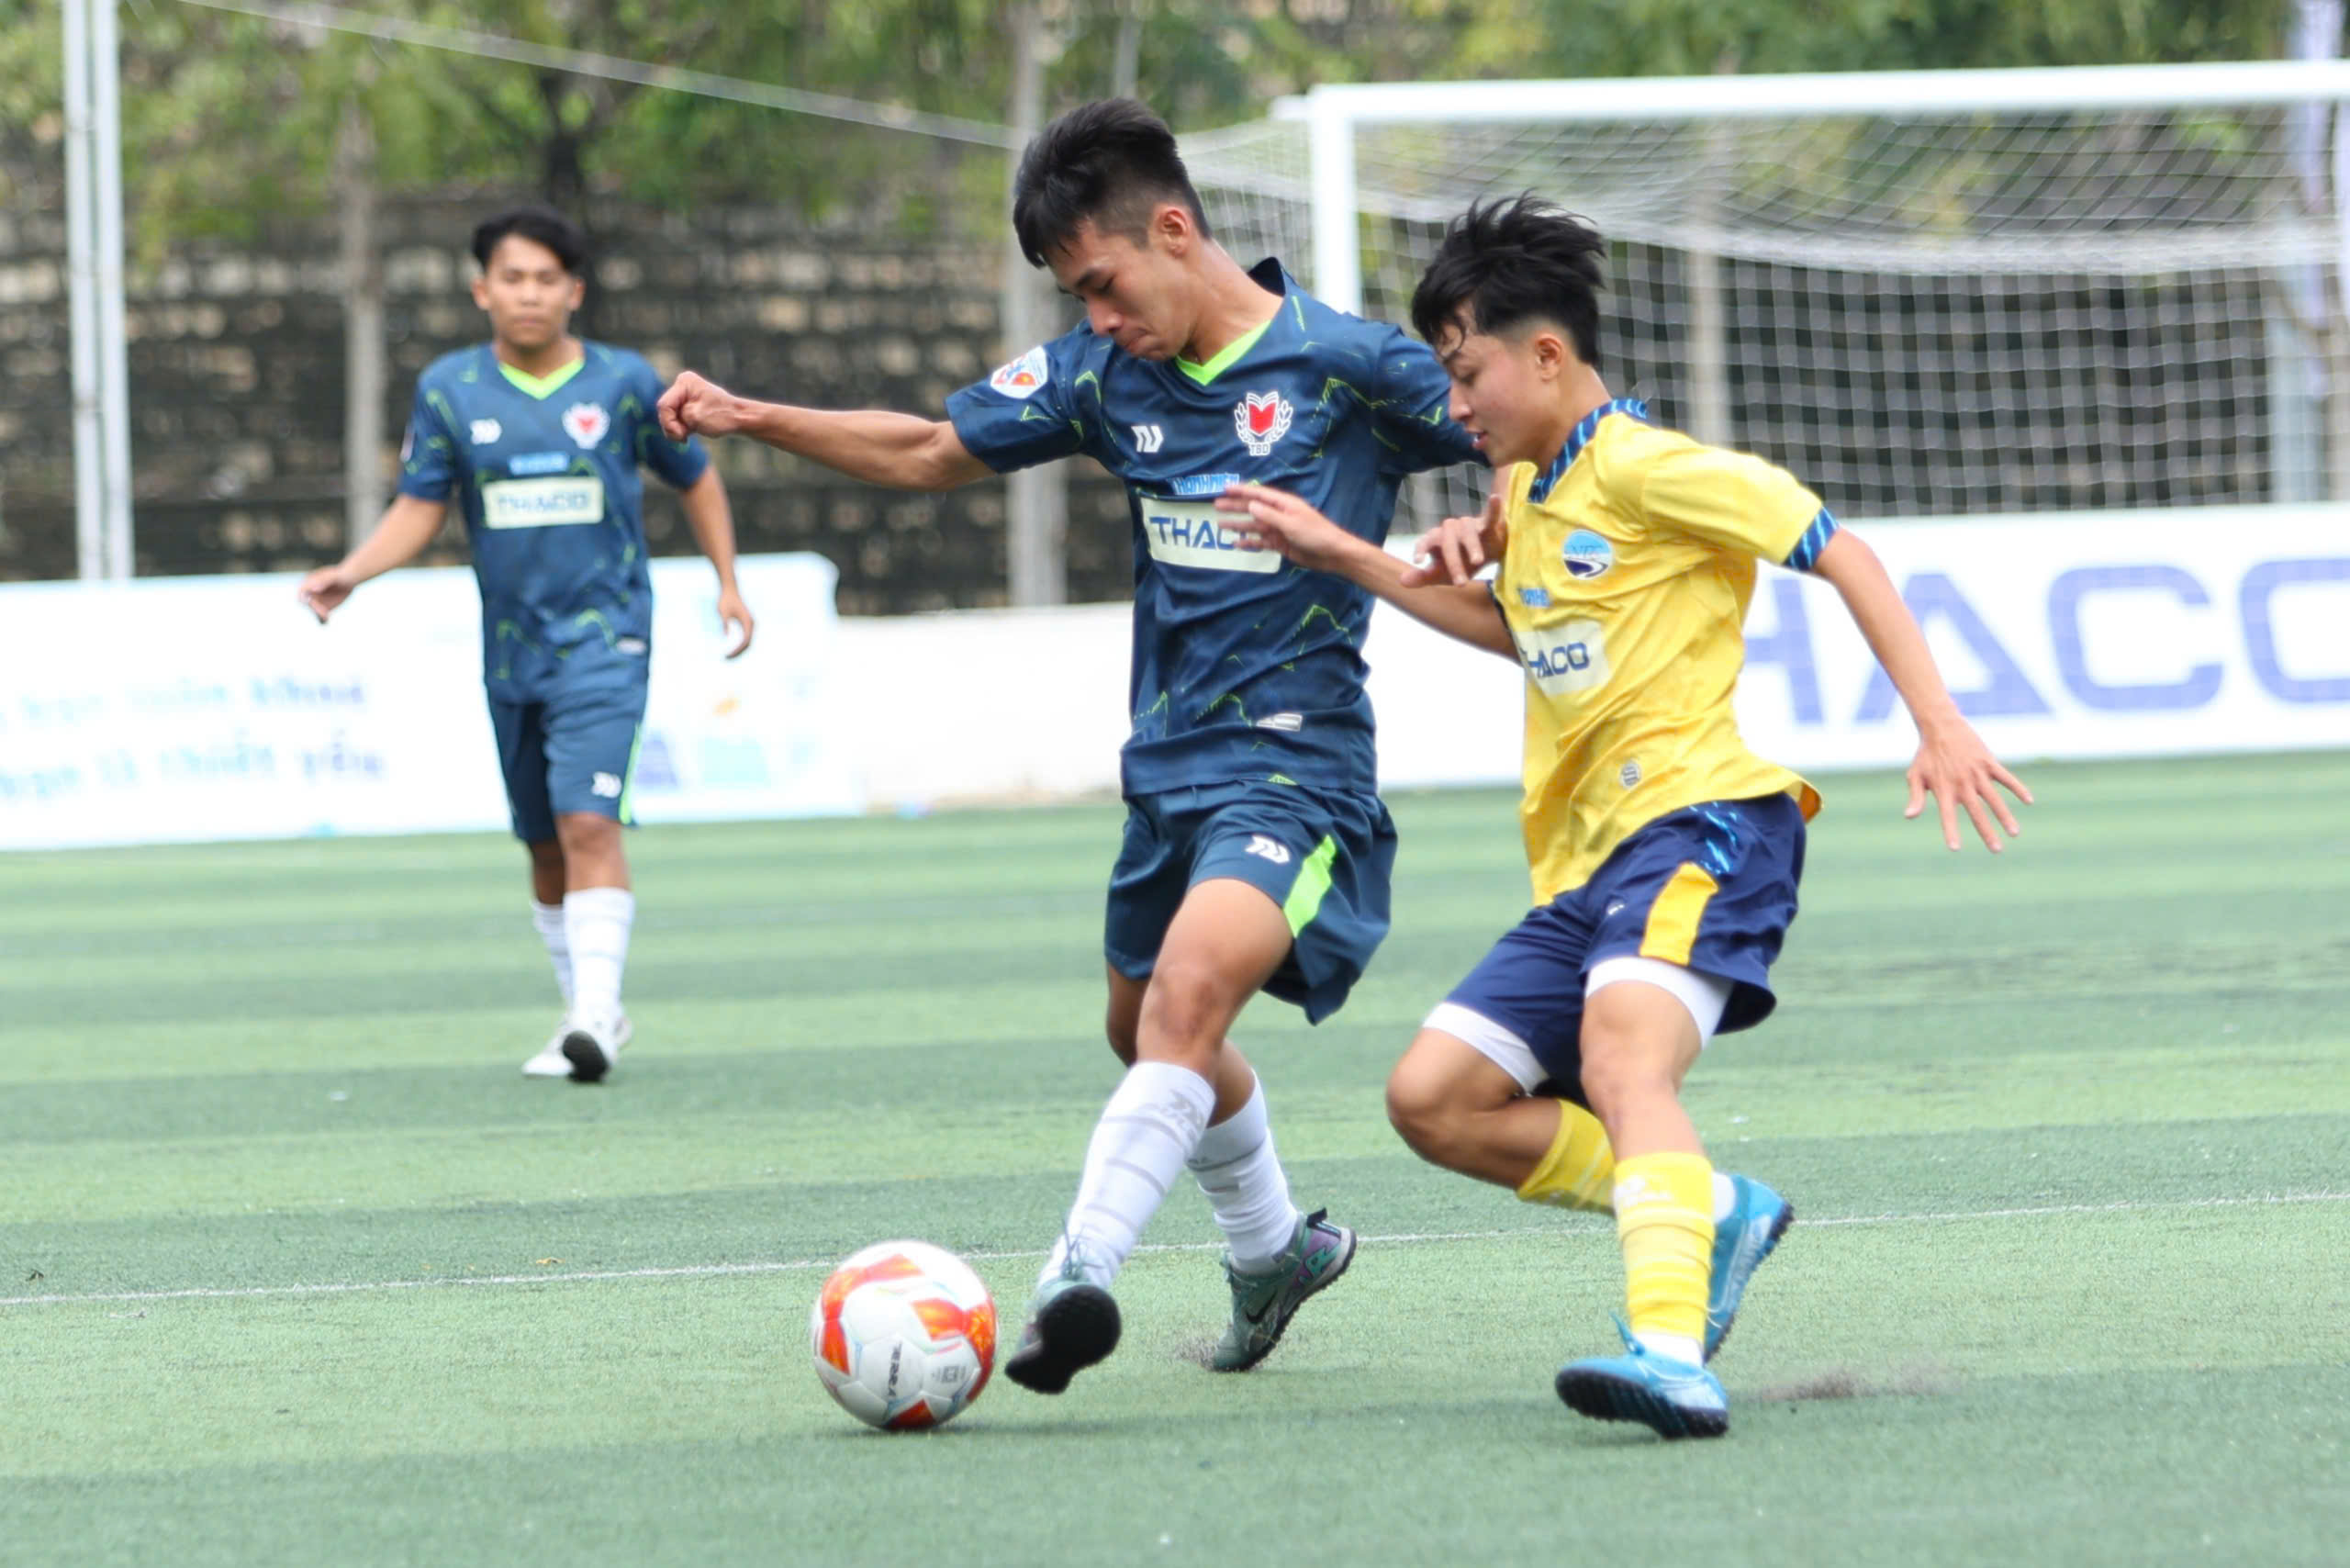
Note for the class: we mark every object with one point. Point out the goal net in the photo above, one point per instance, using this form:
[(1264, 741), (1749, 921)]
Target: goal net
[(1925, 293)]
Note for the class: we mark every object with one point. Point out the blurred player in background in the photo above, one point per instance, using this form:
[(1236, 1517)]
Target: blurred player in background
[(1257, 851), (538, 436), (1664, 854)]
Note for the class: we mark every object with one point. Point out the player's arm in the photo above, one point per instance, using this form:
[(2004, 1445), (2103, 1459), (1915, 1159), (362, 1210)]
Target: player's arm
[(1952, 763), (1275, 520), (407, 525), (712, 522), (903, 450)]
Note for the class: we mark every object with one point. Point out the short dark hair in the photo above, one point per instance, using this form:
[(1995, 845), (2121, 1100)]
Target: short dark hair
[(1509, 262), (1109, 164), (543, 225)]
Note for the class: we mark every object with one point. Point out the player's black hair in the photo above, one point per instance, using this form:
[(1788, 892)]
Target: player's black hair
[(1509, 262), (541, 224), (1109, 164)]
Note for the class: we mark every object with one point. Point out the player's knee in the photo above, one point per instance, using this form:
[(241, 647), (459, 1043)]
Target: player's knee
[(1183, 1013), (1421, 1119), (1426, 1115), (578, 830), (1121, 1033), (1621, 1075)]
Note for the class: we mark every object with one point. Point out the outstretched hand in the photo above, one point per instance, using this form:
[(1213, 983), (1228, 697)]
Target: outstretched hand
[(1457, 549), (695, 405), (1956, 768), (1266, 518)]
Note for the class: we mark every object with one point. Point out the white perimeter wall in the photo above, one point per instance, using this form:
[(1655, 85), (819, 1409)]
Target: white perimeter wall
[(176, 710), (2067, 636)]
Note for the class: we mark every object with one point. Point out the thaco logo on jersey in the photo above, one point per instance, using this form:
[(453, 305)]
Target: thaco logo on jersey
[(1261, 418), (586, 423)]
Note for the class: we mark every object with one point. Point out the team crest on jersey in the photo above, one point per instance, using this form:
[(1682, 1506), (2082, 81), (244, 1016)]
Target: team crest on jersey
[(1261, 418), (586, 423), (1025, 376), (1586, 555)]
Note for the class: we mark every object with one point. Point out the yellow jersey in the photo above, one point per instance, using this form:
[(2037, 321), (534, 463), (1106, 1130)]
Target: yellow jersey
[(1629, 565)]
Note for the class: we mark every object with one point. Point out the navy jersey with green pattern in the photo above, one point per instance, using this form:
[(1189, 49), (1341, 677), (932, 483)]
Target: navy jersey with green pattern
[(545, 471), (1245, 666)]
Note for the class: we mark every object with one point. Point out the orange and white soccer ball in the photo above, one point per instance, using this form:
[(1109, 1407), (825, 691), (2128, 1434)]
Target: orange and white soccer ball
[(903, 1335)]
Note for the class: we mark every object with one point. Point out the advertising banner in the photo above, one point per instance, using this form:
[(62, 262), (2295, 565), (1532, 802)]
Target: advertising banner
[(176, 710)]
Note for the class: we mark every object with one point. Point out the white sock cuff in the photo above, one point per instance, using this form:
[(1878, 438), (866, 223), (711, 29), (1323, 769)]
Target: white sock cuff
[(547, 917), (611, 902), (1237, 1135), (1178, 1088)]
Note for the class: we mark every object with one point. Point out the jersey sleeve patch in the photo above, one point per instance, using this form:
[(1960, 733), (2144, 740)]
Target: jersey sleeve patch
[(1023, 377)]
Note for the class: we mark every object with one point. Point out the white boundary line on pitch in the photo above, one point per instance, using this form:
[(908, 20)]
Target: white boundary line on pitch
[(803, 1265)]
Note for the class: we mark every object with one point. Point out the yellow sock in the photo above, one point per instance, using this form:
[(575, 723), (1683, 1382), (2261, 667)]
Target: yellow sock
[(1664, 1220), (1579, 1173)]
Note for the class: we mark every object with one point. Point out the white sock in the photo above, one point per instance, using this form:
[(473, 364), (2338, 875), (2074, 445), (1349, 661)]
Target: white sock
[(595, 927), (1674, 1346), (1242, 1176), (1147, 1130), (1725, 1197), (548, 919)]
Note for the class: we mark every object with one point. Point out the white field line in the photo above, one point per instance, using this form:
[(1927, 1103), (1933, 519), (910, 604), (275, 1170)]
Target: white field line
[(808, 1265)]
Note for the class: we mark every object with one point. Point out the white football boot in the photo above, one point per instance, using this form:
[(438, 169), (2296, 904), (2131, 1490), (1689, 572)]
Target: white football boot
[(551, 1061), (592, 1045)]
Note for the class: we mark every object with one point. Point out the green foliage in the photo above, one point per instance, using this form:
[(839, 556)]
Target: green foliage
[(230, 120)]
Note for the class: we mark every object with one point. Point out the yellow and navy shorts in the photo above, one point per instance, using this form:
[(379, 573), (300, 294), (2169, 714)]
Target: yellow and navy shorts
[(1711, 887), (1325, 858)]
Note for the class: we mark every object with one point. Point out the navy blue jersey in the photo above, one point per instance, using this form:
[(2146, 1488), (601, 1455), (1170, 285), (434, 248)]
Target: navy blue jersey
[(545, 470), (1245, 667)]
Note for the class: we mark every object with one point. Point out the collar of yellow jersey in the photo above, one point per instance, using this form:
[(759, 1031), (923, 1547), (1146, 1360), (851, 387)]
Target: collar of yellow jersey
[(1578, 438)]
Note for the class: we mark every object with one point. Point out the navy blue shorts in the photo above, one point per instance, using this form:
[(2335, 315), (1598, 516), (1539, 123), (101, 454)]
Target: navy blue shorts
[(1710, 888), (1325, 858), (575, 751)]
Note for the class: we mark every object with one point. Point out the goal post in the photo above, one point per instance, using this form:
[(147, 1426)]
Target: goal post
[(1928, 292)]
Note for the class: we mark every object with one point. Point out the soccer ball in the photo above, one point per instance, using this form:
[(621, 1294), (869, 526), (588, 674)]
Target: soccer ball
[(903, 1335)]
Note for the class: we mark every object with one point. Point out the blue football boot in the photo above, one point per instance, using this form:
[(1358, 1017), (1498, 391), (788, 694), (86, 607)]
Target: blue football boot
[(1740, 1243), (1673, 1398)]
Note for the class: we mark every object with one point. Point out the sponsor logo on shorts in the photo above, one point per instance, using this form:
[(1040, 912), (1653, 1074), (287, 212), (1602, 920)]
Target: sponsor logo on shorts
[(1629, 773), (1534, 598), (633, 647), (604, 785), (1270, 849), (1289, 723)]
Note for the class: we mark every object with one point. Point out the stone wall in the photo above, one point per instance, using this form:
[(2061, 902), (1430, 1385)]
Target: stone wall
[(237, 399)]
